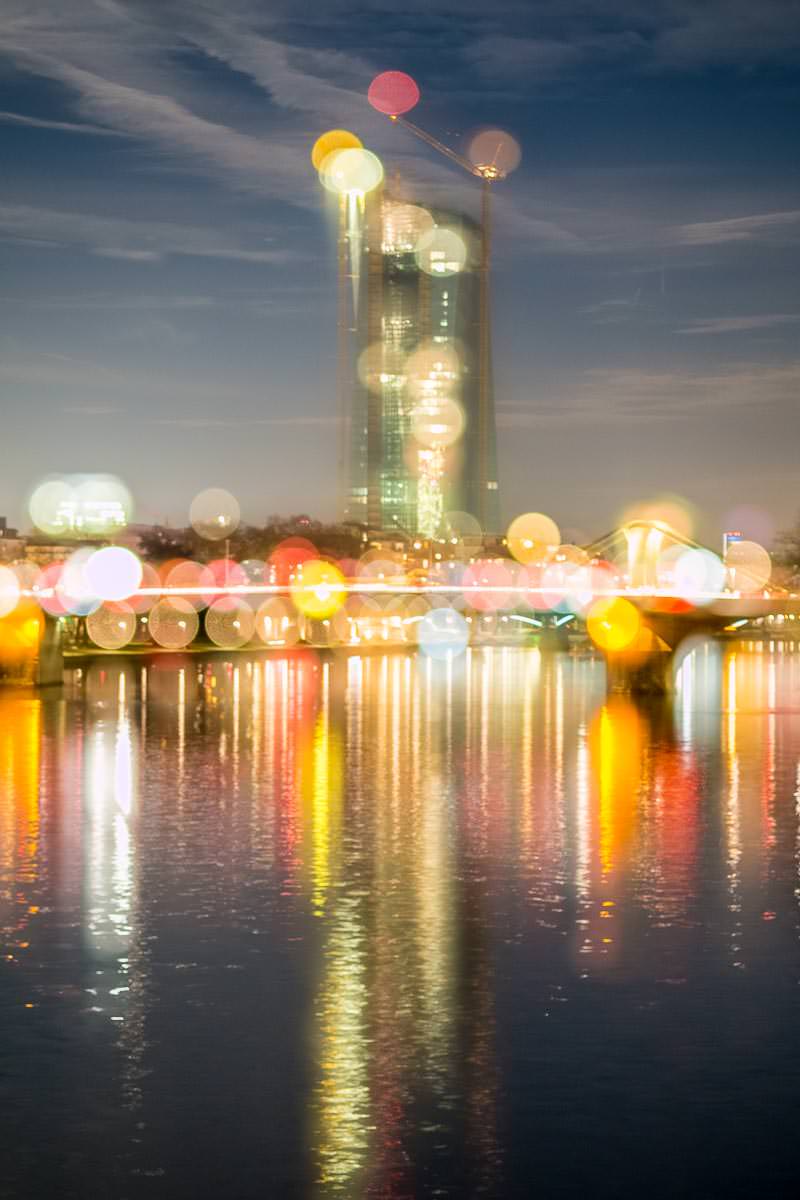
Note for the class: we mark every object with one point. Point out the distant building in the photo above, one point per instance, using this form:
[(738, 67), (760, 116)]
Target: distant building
[(12, 546), (415, 336), (729, 537)]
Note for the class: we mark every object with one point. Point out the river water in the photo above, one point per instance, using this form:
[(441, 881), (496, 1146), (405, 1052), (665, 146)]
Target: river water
[(381, 926)]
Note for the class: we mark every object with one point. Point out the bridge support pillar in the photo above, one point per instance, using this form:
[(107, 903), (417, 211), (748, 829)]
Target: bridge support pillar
[(648, 674), (49, 669)]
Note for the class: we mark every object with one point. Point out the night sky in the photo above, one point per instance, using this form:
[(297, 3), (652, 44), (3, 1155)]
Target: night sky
[(167, 268)]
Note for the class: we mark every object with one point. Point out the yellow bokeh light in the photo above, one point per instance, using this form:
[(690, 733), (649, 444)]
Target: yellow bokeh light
[(112, 626), (173, 623), (433, 370), (533, 537), (334, 139), (403, 226), (276, 623), (670, 512), (613, 624), (438, 422), (441, 251), (80, 506), (230, 623), (351, 172), (749, 566), (214, 514), (382, 365), (495, 153), (319, 591), (20, 633)]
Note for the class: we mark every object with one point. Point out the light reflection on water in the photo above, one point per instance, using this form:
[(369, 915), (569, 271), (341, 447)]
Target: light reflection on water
[(384, 926)]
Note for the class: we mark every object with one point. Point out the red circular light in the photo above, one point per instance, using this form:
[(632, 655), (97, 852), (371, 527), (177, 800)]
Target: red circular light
[(393, 93)]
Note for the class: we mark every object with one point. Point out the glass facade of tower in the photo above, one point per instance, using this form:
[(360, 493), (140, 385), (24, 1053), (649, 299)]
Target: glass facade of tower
[(414, 453)]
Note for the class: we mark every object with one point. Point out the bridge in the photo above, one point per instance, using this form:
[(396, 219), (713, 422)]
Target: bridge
[(638, 607)]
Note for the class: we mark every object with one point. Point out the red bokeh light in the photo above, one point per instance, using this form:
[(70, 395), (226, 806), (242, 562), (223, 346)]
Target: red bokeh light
[(227, 573), (286, 558), (492, 576), (393, 93), (50, 577)]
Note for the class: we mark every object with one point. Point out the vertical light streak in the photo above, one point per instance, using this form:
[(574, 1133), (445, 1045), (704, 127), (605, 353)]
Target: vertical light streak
[(686, 684), (236, 722), (558, 767), (20, 741), (733, 815), (526, 773), (181, 720), (320, 862), (355, 223), (583, 831), (143, 704), (487, 663), (768, 767)]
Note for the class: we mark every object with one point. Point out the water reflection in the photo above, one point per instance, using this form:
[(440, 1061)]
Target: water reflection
[(382, 878)]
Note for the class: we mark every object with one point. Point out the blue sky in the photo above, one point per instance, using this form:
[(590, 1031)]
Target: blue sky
[(167, 270)]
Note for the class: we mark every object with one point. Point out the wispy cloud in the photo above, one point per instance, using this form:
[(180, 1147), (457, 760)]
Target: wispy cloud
[(10, 118), (200, 422), (785, 225), (101, 301), (720, 325), (615, 311), (121, 62), (136, 241), (630, 395), (59, 371), (138, 90)]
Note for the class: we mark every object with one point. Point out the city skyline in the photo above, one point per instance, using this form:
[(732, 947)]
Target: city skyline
[(169, 277)]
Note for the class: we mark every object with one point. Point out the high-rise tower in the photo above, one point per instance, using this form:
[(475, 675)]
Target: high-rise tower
[(422, 429)]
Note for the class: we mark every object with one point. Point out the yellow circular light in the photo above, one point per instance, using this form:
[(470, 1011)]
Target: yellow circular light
[(230, 623), (749, 566), (173, 623), (495, 153), (441, 251), (438, 422), (20, 632), (403, 226), (351, 172), (533, 537), (672, 514), (276, 623), (334, 139), (433, 370), (463, 527), (81, 506), (214, 514), (319, 591), (613, 624), (112, 626), (47, 503), (381, 365)]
